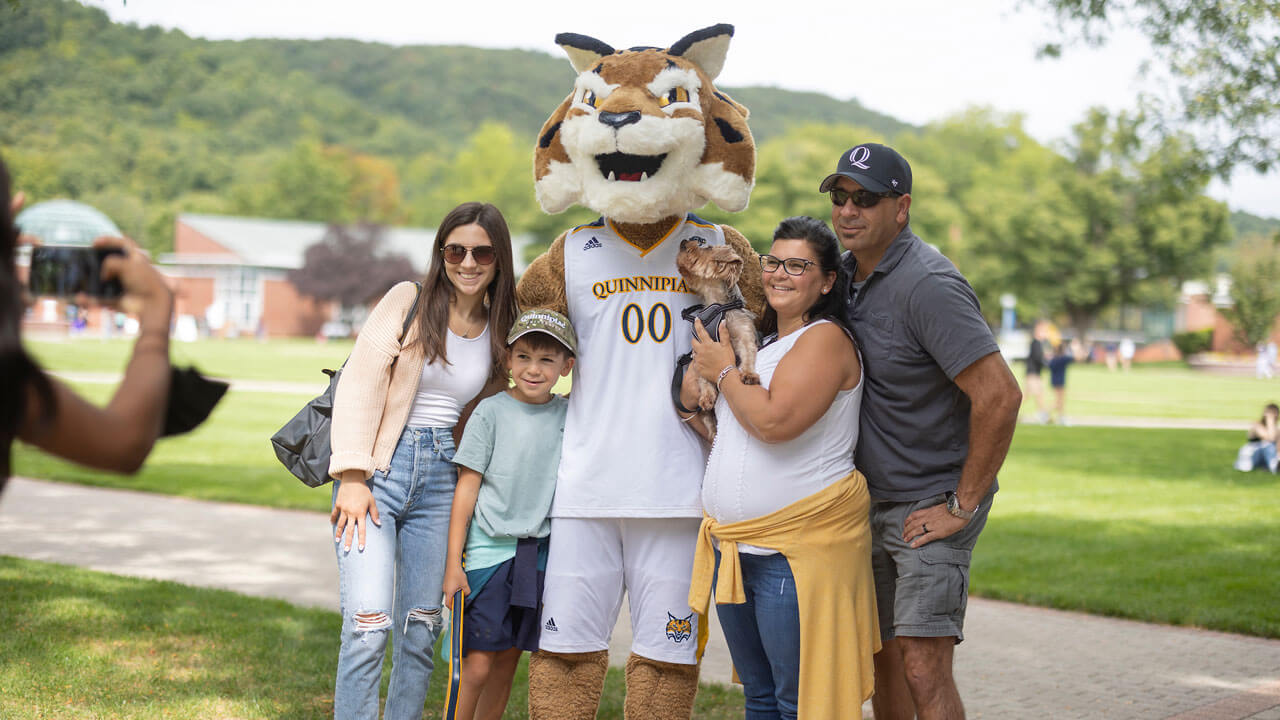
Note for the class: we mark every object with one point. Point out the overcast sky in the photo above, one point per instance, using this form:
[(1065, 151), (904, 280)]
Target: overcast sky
[(917, 60)]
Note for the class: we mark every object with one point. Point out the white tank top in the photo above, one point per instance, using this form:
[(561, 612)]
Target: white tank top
[(443, 389), (626, 453), (747, 478)]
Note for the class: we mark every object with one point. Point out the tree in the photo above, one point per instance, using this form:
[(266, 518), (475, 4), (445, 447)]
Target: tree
[(348, 267), (1223, 56), (788, 170), (327, 183), (1255, 290), (1113, 222)]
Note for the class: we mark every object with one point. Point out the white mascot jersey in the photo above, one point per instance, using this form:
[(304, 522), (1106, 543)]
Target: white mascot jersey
[(625, 305)]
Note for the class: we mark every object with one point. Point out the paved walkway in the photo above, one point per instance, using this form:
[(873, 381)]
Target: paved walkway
[(1019, 662)]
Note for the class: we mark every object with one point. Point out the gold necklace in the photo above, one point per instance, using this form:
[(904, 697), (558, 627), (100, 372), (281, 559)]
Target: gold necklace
[(467, 335)]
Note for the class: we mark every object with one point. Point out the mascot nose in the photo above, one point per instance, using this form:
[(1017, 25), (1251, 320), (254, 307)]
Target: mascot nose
[(617, 120)]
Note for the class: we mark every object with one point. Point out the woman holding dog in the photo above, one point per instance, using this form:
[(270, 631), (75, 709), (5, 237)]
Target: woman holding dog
[(399, 406), (785, 547)]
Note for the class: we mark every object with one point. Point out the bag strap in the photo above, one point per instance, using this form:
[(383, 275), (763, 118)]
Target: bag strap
[(413, 310)]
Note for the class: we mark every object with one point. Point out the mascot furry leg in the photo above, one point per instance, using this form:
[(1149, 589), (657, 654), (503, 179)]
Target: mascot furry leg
[(566, 686), (644, 138), (658, 690)]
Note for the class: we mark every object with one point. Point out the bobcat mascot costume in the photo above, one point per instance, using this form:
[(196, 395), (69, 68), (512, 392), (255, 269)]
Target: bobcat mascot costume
[(643, 139)]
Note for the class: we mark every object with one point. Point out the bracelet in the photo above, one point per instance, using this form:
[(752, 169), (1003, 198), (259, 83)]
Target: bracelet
[(724, 372), (684, 419)]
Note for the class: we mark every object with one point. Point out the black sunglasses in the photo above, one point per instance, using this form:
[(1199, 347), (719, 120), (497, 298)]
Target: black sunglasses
[(791, 266), (863, 198), (455, 254)]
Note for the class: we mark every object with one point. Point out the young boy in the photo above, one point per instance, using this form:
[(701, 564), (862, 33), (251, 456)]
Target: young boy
[(507, 465)]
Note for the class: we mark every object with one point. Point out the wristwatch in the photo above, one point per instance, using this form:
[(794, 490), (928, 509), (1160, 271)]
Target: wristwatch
[(953, 507)]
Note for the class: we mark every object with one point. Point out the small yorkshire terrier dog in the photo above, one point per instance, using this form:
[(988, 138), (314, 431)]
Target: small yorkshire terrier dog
[(712, 271)]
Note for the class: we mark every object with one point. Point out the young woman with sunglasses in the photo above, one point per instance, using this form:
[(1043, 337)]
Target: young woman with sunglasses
[(398, 412), (791, 559)]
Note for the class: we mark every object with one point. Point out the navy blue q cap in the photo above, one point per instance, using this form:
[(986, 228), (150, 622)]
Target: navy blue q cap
[(878, 168)]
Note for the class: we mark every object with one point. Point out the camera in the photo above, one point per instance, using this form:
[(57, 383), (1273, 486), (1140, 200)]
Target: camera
[(67, 270)]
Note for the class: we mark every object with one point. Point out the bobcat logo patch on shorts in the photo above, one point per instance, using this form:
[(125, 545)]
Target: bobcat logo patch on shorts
[(679, 629)]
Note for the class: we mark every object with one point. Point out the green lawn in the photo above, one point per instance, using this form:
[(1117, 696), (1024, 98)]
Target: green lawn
[(228, 458), (1163, 391), (1146, 524), (82, 644), (297, 360)]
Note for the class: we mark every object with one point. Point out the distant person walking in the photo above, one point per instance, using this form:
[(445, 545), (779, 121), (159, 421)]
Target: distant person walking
[(1259, 453), (1264, 367), (1035, 367), (1127, 350), (1062, 357)]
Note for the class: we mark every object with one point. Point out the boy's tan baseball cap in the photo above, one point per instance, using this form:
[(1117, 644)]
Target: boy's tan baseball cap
[(545, 321)]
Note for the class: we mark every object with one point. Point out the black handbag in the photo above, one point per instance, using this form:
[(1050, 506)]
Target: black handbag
[(302, 445)]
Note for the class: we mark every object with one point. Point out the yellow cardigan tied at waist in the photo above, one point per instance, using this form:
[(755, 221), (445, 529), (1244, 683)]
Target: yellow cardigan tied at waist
[(826, 539)]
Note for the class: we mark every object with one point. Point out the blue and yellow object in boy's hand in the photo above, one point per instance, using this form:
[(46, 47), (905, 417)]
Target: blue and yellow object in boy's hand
[(455, 657)]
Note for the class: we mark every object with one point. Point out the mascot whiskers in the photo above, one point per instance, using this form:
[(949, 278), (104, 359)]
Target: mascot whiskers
[(713, 273), (644, 138)]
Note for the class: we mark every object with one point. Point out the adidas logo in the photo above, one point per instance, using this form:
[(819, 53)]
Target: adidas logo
[(551, 622), (592, 243)]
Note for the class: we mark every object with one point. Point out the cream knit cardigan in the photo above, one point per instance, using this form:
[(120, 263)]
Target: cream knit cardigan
[(377, 387)]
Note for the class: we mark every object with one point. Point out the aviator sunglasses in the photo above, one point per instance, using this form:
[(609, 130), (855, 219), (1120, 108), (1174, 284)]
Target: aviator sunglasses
[(791, 266), (455, 254), (862, 197)]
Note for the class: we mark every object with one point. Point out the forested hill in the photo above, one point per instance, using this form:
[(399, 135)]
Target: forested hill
[(454, 89), (145, 123)]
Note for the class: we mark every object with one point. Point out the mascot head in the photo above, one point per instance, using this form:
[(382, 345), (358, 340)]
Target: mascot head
[(645, 134)]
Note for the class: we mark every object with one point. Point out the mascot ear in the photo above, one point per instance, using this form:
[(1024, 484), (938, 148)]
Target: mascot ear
[(705, 48), (583, 51)]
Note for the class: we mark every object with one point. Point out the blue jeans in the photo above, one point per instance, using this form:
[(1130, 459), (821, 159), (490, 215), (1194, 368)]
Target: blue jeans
[(394, 585), (764, 636), (1264, 458)]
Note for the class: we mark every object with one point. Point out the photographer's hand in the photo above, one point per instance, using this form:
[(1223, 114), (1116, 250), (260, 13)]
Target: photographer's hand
[(145, 292), (120, 436)]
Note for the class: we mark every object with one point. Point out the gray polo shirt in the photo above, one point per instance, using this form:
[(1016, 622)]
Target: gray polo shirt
[(918, 324)]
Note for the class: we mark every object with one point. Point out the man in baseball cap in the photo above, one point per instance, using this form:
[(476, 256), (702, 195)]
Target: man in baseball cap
[(878, 168), (939, 406)]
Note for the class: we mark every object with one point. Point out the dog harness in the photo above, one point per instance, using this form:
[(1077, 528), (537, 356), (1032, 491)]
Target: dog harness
[(710, 315)]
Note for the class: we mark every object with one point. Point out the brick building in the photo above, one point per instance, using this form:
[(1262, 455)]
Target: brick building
[(230, 273)]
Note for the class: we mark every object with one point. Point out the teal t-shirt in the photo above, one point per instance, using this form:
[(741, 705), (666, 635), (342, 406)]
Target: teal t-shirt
[(516, 447)]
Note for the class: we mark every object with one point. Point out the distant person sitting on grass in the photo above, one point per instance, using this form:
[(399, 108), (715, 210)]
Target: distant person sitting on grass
[(1260, 452), (507, 465), (46, 413)]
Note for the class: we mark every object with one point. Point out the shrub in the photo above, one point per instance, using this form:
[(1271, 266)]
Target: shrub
[(1194, 341)]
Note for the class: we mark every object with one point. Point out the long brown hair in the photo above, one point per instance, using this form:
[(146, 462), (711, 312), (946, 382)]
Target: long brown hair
[(437, 291)]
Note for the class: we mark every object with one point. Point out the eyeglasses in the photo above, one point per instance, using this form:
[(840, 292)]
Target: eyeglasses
[(863, 198), (455, 254), (791, 266)]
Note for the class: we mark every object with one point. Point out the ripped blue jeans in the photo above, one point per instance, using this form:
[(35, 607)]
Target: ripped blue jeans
[(393, 587)]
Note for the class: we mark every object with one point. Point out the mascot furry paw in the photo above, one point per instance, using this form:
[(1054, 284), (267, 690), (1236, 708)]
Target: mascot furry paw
[(644, 139)]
